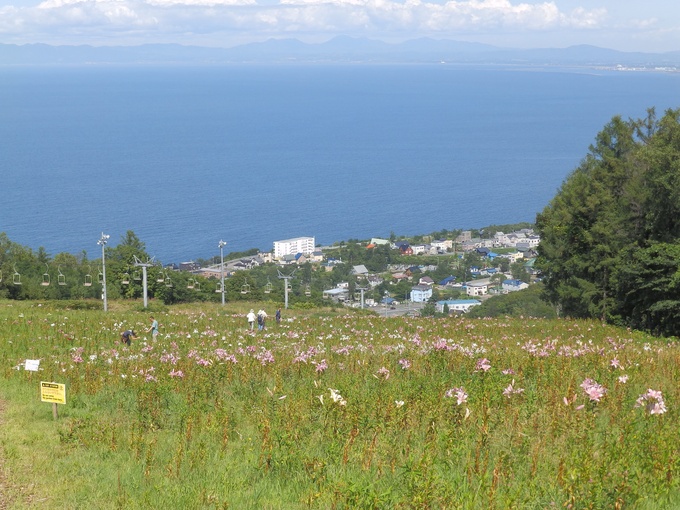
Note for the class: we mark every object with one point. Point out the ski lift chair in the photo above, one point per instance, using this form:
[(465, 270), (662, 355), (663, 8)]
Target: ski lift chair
[(45, 277), (61, 278)]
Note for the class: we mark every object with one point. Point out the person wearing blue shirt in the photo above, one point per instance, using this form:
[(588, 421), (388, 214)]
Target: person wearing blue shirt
[(153, 329)]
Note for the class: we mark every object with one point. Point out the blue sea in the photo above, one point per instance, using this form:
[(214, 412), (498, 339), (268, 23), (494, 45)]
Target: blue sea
[(187, 156)]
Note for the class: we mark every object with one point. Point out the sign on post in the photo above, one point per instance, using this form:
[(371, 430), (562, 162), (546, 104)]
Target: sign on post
[(32, 365), (54, 393)]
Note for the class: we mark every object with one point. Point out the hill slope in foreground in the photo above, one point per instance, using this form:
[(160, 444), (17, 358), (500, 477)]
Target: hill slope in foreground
[(336, 409)]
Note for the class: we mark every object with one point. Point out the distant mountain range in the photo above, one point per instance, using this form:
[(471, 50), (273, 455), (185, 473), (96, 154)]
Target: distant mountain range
[(341, 49)]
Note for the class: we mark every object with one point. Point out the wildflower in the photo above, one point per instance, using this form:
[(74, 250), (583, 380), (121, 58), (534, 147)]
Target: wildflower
[(176, 373), (405, 364), (594, 391), (615, 363), (321, 366), (336, 397), (458, 393), (265, 357), (399, 403), (383, 372), (653, 402), (511, 390), (623, 379), (483, 365), (508, 371)]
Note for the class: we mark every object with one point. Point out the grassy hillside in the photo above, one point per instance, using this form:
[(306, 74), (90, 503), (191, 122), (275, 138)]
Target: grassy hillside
[(334, 410)]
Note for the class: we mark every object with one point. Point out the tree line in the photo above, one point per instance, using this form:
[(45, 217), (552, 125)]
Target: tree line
[(610, 238), (29, 274)]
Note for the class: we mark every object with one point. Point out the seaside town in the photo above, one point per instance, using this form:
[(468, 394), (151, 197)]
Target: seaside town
[(490, 275)]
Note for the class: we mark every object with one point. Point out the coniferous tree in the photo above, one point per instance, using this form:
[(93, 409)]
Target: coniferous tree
[(611, 220)]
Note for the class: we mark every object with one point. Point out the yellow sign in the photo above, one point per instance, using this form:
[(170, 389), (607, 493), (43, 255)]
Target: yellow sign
[(52, 392)]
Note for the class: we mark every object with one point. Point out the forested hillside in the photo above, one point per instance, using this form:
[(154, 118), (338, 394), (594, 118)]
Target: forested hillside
[(610, 238)]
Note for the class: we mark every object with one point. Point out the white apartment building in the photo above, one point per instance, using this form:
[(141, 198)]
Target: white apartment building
[(293, 246)]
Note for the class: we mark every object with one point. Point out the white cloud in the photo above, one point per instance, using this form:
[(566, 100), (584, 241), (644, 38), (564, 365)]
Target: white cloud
[(107, 21)]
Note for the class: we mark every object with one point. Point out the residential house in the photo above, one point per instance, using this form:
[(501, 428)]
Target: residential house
[(443, 245), (316, 256), (330, 264), (513, 257), (448, 281), (426, 280), (360, 270), (513, 285), (374, 280), (212, 272), (477, 288), (404, 247), (288, 259), (421, 293), (464, 236)]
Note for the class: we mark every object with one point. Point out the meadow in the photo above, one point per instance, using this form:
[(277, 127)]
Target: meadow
[(334, 409)]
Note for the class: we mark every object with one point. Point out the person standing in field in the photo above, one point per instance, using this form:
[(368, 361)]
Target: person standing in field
[(153, 329), (127, 336), (278, 316), (261, 318), (251, 319)]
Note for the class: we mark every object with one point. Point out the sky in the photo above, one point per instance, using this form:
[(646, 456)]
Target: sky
[(626, 25)]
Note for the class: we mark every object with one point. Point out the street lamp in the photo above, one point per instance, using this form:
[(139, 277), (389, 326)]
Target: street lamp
[(102, 242), (222, 244)]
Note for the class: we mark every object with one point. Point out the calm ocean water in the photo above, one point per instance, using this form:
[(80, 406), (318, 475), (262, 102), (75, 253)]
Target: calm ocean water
[(185, 157)]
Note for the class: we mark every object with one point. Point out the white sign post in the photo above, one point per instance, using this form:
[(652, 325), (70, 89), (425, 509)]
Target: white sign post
[(32, 365)]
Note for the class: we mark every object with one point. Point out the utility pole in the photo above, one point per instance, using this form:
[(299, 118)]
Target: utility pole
[(361, 289), (144, 265), (221, 245), (102, 242), (285, 279)]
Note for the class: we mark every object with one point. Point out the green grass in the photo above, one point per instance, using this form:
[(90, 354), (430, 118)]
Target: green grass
[(215, 417)]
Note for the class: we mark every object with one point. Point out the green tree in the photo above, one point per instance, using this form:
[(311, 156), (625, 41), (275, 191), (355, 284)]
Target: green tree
[(624, 197)]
